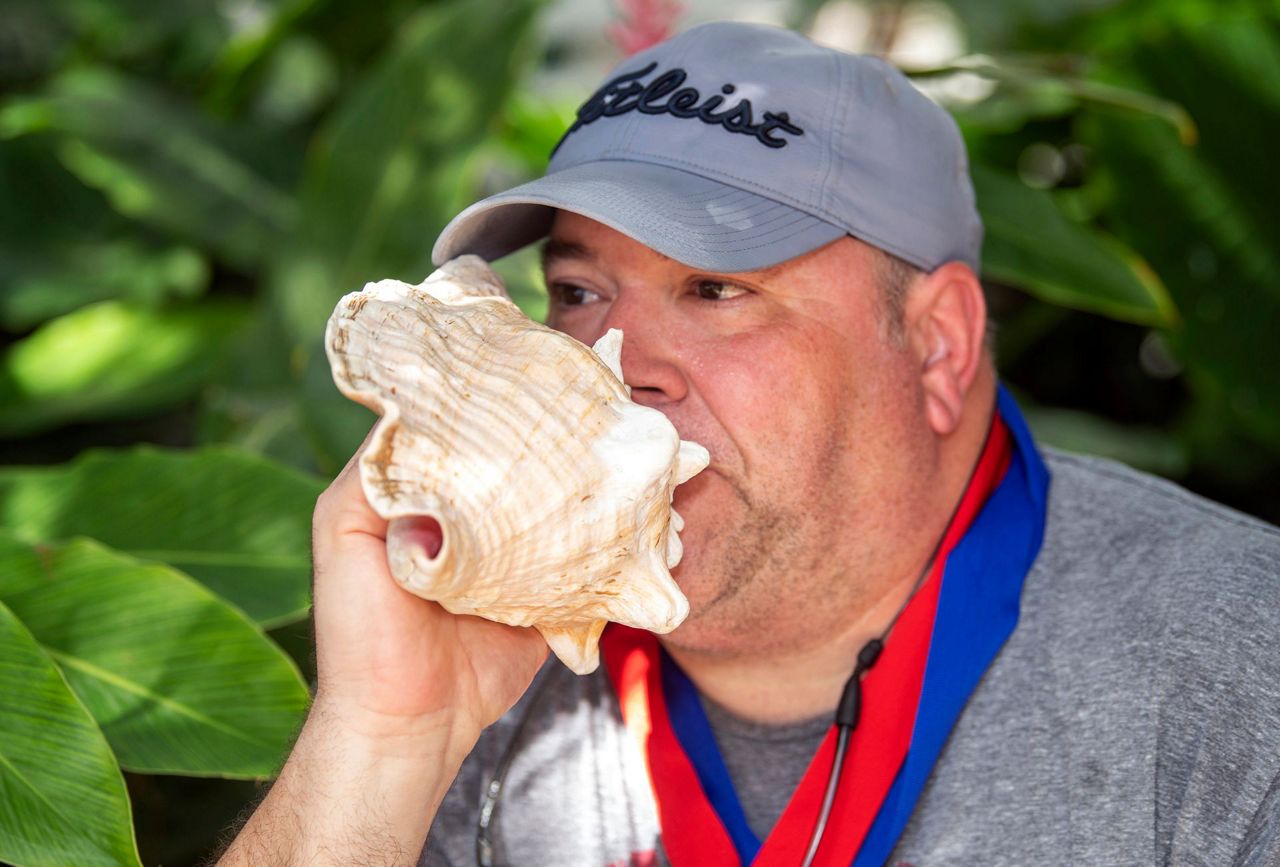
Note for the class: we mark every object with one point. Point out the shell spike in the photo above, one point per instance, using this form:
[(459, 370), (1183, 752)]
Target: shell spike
[(462, 278), (609, 348), (577, 646), (690, 460), (675, 548)]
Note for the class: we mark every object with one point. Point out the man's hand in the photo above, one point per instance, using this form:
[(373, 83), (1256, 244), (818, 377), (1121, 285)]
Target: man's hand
[(387, 658), (404, 691)]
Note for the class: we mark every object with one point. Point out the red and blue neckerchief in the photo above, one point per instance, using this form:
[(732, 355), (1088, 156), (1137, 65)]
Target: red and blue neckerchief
[(942, 643)]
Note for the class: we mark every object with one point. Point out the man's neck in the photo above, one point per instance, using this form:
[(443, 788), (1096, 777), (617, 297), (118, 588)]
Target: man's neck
[(783, 688)]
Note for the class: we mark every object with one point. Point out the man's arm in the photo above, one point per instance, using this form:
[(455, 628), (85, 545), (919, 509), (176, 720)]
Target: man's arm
[(345, 798), (404, 689)]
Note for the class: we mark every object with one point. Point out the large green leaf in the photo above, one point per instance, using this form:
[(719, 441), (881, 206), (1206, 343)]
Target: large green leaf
[(62, 246), (384, 174), (179, 681), (1039, 87), (1155, 450), (522, 274), (992, 26), (1196, 65), (111, 360), (42, 283), (390, 166), (336, 426), (531, 127), (251, 47), (141, 30), (1031, 244), (1205, 215), (238, 523), (260, 421), (157, 161), (62, 799), (43, 201)]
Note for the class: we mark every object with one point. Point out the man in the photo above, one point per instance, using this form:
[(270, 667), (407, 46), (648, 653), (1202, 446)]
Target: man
[(1027, 664)]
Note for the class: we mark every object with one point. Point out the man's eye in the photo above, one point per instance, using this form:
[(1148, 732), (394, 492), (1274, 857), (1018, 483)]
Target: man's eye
[(569, 295), (714, 290)]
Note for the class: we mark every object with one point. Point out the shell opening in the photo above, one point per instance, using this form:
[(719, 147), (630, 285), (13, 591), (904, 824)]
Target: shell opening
[(427, 552), (424, 533)]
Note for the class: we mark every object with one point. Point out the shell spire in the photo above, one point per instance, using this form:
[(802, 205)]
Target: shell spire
[(552, 488)]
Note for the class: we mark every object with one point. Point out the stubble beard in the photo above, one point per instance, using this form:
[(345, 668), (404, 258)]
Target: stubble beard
[(764, 584)]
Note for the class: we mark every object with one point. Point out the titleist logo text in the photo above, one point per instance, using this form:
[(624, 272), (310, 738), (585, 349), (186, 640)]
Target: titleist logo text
[(627, 93)]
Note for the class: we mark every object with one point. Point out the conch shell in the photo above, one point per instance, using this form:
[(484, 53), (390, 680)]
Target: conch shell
[(552, 488)]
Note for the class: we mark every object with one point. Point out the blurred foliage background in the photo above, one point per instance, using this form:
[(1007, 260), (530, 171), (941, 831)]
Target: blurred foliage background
[(188, 188)]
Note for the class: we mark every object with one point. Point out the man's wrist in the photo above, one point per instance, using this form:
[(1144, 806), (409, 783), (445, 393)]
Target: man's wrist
[(443, 738), (356, 780)]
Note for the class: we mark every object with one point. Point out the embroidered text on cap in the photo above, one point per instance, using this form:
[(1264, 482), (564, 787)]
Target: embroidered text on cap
[(626, 93)]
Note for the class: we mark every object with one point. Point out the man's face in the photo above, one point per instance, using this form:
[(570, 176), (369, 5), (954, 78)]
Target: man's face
[(813, 419)]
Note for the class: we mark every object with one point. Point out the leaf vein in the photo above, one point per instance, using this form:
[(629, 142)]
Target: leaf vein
[(138, 689)]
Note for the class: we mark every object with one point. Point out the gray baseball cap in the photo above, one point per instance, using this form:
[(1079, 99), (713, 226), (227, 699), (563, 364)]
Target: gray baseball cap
[(733, 147)]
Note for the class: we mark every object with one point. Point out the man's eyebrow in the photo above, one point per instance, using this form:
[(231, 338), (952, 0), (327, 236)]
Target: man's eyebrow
[(555, 249)]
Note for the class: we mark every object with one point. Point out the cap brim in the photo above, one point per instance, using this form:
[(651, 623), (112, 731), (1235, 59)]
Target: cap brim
[(700, 222)]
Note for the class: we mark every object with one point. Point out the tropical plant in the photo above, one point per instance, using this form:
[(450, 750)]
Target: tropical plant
[(1186, 184), (189, 188), (185, 199)]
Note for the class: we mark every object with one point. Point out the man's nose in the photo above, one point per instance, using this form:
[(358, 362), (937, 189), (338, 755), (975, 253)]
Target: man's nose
[(652, 362)]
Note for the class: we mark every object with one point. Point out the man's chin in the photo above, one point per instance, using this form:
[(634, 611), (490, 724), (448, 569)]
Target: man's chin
[(700, 586), (701, 633)]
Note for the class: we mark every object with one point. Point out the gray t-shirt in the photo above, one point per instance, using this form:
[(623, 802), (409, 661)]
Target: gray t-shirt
[(765, 762), (1133, 717)]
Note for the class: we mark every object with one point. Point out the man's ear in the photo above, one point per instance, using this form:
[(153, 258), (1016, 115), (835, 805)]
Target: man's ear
[(946, 321)]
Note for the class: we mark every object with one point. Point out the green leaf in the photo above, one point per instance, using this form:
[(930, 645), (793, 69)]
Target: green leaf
[(335, 424), (260, 421), (391, 165), (300, 79), (1039, 90), (522, 274), (62, 798), (138, 30), (62, 246), (1152, 449), (238, 523), (531, 128), (249, 47), (179, 681), (1205, 215), (44, 201), (37, 285), (995, 26), (253, 406), (111, 360), (1031, 244), (157, 161)]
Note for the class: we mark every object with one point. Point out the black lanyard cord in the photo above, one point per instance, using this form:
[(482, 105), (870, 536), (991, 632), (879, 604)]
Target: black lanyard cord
[(848, 712)]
